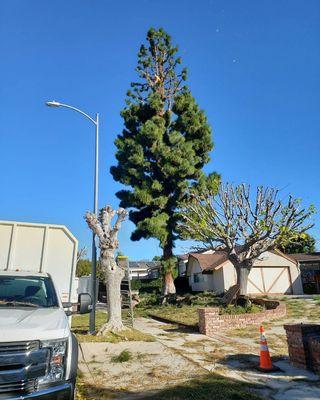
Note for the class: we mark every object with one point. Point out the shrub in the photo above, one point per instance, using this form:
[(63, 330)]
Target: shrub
[(200, 299), (147, 285), (182, 284), (136, 284), (148, 299), (235, 310)]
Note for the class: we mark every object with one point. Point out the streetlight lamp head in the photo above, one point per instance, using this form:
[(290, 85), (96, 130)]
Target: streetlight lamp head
[(53, 103)]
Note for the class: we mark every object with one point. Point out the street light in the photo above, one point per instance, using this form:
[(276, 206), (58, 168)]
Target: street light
[(95, 206)]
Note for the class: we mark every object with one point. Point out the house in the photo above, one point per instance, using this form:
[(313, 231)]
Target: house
[(144, 269), (309, 265), (182, 264), (273, 273)]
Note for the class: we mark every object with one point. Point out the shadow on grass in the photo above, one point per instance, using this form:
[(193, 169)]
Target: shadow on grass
[(209, 387), (180, 327), (80, 331)]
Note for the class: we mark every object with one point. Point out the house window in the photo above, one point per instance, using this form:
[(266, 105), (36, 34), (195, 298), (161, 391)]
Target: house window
[(198, 278)]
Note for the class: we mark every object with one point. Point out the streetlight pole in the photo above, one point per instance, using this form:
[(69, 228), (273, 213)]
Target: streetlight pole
[(92, 323)]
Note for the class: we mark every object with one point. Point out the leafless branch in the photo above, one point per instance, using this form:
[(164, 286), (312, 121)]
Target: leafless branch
[(81, 253), (245, 225)]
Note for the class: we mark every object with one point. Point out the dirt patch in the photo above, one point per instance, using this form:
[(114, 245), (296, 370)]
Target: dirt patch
[(151, 366)]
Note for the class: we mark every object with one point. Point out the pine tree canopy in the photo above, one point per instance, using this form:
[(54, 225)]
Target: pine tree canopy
[(165, 143)]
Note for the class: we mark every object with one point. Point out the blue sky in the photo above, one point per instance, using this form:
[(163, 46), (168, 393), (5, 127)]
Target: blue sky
[(253, 67)]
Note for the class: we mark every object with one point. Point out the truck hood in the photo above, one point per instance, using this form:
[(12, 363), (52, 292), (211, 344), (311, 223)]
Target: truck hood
[(19, 324)]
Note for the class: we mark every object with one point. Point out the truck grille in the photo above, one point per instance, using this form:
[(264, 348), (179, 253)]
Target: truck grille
[(18, 347), (21, 363), (19, 387)]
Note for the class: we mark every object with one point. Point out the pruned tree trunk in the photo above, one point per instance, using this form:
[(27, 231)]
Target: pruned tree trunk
[(242, 278), (108, 243), (113, 278)]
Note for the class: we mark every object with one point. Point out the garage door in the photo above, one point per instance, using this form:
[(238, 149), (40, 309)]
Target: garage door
[(273, 280)]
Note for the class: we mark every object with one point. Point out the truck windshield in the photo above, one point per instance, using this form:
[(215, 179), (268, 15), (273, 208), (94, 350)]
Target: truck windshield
[(27, 291)]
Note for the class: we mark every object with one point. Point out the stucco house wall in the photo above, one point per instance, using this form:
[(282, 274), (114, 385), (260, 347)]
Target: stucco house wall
[(218, 281), (229, 276), (207, 281), (273, 273)]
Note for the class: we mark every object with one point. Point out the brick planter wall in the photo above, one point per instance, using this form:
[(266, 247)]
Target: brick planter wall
[(210, 322), (314, 347), (304, 345)]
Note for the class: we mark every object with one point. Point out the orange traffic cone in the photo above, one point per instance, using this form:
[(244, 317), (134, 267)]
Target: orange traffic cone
[(265, 359)]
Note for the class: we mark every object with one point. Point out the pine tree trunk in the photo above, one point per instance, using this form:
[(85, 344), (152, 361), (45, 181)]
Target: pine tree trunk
[(168, 286), (242, 278)]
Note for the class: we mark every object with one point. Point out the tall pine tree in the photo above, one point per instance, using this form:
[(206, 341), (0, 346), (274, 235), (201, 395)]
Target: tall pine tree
[(161, 151)]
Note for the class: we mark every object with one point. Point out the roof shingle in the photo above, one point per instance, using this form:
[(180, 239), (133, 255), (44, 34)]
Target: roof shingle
[(210, 261), (303, 257)]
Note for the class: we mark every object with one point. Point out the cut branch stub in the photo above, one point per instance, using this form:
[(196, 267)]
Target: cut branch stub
[(102, 227)]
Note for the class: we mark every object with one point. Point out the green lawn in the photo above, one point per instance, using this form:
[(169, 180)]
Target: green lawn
[(184, 312), (300, 308), (80, 325), (186, 315)]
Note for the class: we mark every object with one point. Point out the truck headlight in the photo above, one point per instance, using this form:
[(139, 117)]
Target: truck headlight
[(56, 368)]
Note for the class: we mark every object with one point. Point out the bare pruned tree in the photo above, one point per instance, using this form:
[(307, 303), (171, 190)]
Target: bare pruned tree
[(244, 224), (108, 244), (81, 253)]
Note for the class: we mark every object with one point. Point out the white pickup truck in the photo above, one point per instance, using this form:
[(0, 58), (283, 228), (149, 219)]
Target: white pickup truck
[(38, 352)]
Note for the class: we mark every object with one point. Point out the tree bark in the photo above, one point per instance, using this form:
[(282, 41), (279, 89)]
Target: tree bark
[(113, 278), (168, 286), (242, 278), (108, 243)]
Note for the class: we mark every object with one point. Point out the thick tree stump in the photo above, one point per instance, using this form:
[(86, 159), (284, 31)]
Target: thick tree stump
[(114, 273)]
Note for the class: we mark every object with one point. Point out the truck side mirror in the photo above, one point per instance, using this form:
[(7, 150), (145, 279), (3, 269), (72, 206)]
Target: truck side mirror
[(67, 306), (84, 303)]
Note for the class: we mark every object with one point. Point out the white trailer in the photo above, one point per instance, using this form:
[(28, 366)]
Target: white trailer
[(43, 248)]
